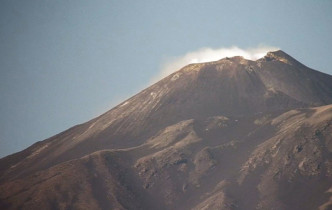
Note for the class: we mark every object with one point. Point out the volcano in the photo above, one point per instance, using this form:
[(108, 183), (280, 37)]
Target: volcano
[(228, 134)]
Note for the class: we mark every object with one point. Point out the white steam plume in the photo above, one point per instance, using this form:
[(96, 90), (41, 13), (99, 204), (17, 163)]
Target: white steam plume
[(208, 54)]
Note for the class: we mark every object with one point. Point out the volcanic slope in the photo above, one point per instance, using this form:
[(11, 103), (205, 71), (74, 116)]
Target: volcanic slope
[(229, 134)]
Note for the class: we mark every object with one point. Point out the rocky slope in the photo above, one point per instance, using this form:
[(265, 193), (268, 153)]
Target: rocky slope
[(229, 134)]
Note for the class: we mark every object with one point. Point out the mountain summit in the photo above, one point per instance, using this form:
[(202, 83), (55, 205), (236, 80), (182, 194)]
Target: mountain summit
[(228, 134)]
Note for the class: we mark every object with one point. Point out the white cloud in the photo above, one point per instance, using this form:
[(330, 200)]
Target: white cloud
[(208, 54)]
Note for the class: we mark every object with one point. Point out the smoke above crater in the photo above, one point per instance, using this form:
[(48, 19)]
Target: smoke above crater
[(209, 54)]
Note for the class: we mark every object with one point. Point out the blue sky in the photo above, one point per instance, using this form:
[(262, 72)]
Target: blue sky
[(64, 62)]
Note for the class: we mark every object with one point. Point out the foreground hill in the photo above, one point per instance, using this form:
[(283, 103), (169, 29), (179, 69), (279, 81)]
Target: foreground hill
[(230, 134)]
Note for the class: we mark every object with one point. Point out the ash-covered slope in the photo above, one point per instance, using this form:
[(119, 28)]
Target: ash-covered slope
[(217, 135)]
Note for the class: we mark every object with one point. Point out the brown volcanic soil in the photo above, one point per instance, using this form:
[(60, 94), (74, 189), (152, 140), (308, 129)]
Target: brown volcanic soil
[(230, 134)]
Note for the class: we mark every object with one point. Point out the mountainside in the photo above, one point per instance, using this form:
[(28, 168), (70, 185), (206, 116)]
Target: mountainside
[(229, 134)]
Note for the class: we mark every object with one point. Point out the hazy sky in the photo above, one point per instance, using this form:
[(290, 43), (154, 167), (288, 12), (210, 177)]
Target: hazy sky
[(64, 62)]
